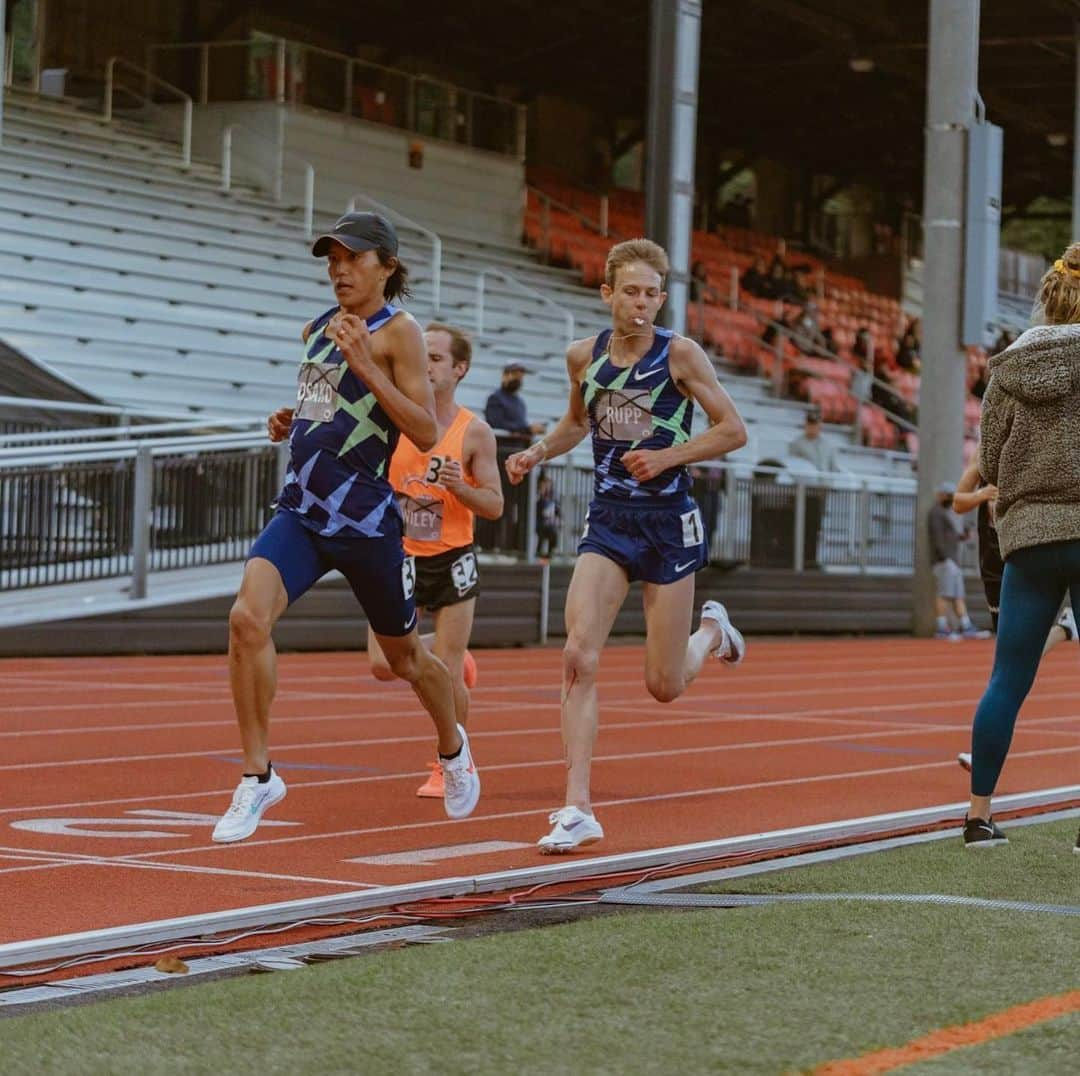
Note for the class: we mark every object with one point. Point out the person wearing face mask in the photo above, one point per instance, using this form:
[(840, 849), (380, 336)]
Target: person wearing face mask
[(505, 408), (633, 388)]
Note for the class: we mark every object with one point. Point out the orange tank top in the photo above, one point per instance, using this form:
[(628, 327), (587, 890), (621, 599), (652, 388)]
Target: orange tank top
[(435, 520)]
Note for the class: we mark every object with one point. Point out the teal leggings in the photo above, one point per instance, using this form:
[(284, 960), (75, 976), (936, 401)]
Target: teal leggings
[(1035, 581)]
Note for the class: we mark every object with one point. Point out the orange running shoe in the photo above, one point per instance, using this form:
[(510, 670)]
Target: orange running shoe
[(433, 788), (470, 671)]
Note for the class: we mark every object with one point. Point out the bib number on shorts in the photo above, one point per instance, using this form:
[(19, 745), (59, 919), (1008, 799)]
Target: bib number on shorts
[(316, 390), (423, 518), (693, 533), (464, 573), (408, 577)]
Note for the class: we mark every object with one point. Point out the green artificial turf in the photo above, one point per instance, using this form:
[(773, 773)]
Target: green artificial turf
[(755, 990)]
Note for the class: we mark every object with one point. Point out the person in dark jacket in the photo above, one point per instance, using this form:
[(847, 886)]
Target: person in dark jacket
[(505, 408)]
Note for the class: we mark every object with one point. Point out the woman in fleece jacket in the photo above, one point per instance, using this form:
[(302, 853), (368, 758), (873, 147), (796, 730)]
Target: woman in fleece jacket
[(1030, 450)]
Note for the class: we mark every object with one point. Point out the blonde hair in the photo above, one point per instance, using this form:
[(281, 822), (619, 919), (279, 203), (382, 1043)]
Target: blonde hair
[(460, 342), (1058, 302), (635, 250)]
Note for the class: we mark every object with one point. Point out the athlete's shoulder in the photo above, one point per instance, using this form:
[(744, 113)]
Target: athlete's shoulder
[(478, 433), (579, 353)]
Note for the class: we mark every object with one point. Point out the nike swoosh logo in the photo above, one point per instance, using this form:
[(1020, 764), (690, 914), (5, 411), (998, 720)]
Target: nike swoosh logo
[(412, 620), (683, 567), (639, 376), (572, 825)]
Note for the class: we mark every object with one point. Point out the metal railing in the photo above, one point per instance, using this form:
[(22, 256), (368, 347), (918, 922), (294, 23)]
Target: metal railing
[(764, 516), (271, 68), (278, 178), (148, 77), (427, 233), (129, 508), (523, 289)]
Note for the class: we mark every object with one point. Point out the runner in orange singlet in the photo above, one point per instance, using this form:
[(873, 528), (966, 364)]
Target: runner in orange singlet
[(440, 493)]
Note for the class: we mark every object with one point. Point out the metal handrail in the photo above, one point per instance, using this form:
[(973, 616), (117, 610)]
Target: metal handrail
[(432, 237), (53, 438), (62, 455), (490, 270), (600, 226), (149, 76), (309, 170), (286, 46)]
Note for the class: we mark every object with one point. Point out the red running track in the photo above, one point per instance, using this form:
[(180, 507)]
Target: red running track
[(113, 770)]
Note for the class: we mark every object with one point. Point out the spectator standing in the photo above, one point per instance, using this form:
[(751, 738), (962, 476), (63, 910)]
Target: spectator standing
[(815, 450), (505, 408), (548, 517), (947, 531)]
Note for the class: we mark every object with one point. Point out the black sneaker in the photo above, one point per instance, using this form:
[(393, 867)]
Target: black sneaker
[(979, 833)]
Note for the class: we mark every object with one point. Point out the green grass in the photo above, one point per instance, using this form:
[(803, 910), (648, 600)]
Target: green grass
[(756, 990)]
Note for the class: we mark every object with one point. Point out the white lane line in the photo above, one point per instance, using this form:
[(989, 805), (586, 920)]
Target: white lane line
[(658, 797), (72, 859), (383, 741), (424, 856), (890, 730)]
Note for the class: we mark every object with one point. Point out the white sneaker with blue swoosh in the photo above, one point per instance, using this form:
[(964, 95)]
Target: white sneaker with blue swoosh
[(249, 802), (573, 828), (733, 648)]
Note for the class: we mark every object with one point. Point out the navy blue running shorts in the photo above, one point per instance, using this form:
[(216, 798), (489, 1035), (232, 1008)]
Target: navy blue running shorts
[(653, 543), (380, 574)]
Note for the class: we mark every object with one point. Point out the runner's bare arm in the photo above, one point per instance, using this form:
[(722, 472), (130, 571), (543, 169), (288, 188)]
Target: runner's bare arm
[(485, 497), (968, 495), (570, 430), (406, 395)]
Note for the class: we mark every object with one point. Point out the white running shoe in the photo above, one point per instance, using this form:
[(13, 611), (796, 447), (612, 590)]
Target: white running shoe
[(733, 648), (249, 802), (964, 758), (1068, 621), (573, 828), (461, 782)]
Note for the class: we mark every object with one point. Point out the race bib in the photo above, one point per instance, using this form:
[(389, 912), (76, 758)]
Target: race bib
[(423, 517), (692, 531), (624, 414), (316, 390), (464, 573)]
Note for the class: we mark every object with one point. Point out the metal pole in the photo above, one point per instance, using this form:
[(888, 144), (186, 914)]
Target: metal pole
[(530, 516), (480, 303), (309, 201), (436, 274), (800, 526), (675, 28), (348, 87), (226, 158), (107, 111), (952, 72), (188, 121), (864, 527), (545, 601), (140, 519), (604, 215), (282, 462), (733, 294)]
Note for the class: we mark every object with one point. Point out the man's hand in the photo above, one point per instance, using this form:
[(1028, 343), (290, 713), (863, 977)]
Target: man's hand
[(277, 425), (452, 477), (351, 335), (645, 463), (521, 463)]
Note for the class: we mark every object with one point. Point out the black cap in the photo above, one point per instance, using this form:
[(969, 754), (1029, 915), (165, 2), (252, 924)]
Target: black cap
[(359, 232), (516, 368), (813, 415)]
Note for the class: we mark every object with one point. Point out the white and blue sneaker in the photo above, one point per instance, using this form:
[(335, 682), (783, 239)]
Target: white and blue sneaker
[(573, 829), (1068, 622), (461, 782), (733, 649), (249, 801)]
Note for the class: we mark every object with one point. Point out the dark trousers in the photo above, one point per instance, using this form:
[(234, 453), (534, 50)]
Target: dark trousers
[(1036, 579)]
